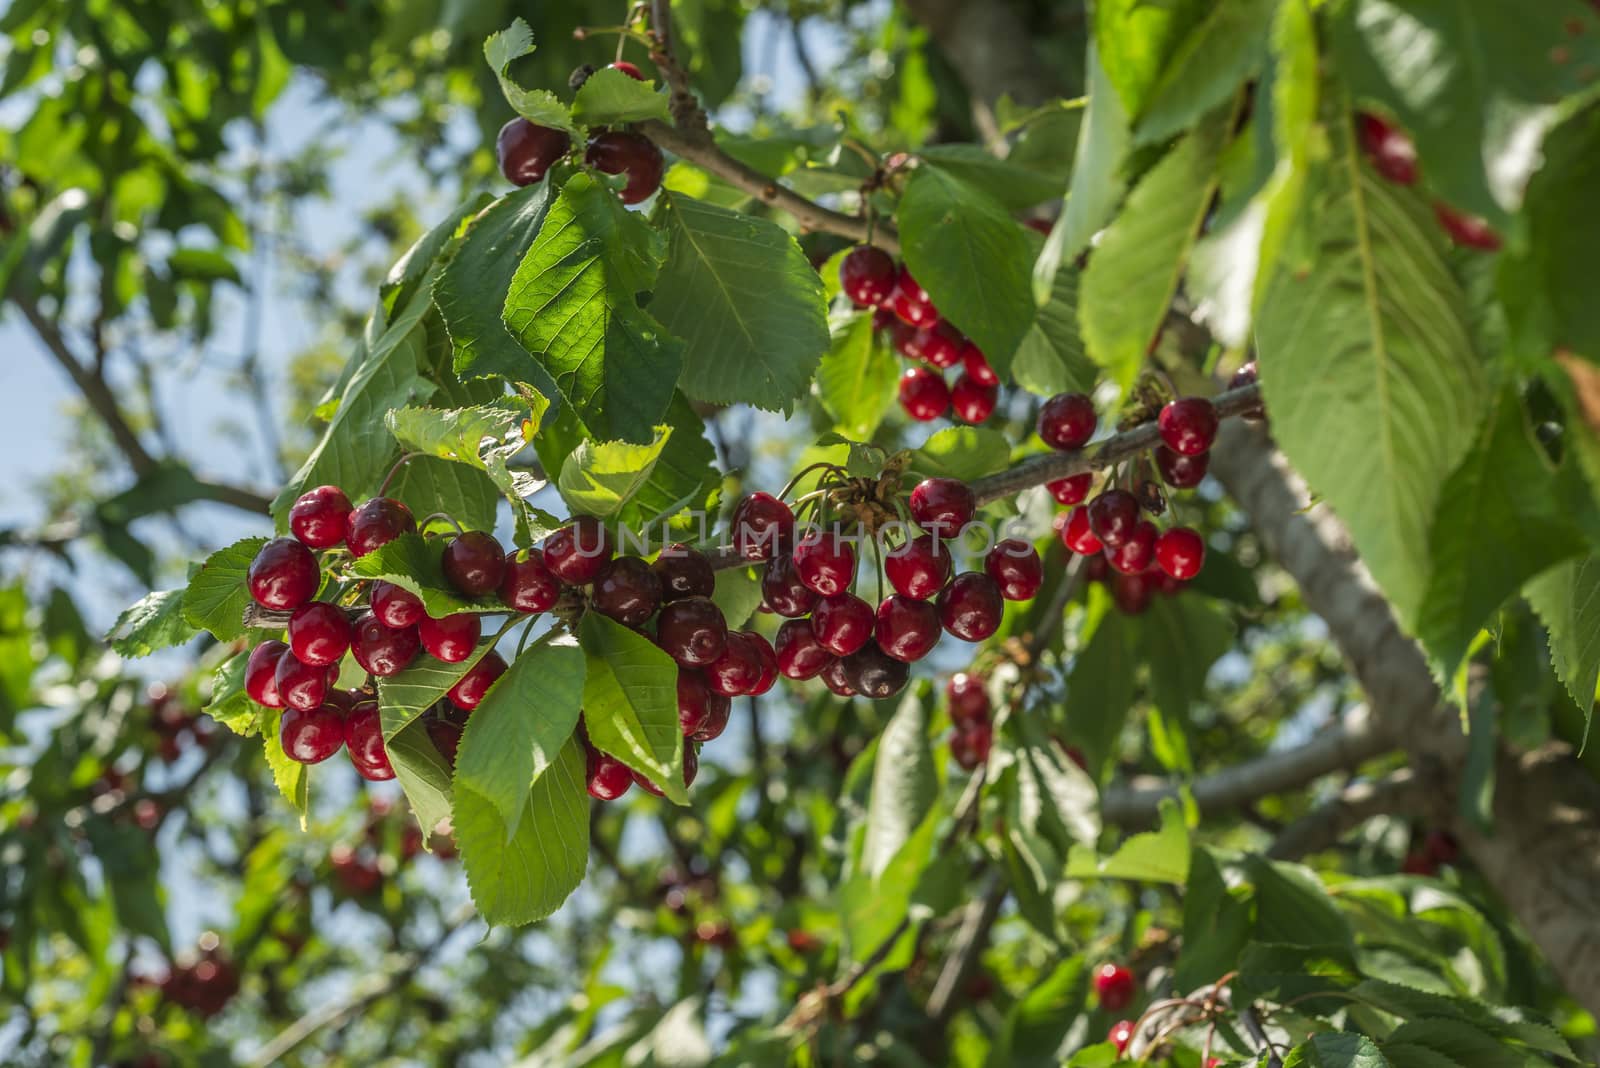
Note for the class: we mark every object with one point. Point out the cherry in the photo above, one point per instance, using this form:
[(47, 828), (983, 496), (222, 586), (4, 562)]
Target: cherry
[(972, 401), (911, 302), (737, 671), (1120, 1035), (1181, 472), (938, 343), (1072, 489), (825, 563), (283, 575), (923, 394), (529, 586), (310, 737), (908, 340), (762, 526), (1441, 847), (867, 276), (300, 685), (395, 606), (1180, 552), (1077, 534), (691, 767), (381, 650), (1132, 593), (469, 690), (629, 69), (377, 523), (873, 673), (363, 740), (836, 678), (842, 623), (1419, 863), (625, 152), (446, 737), (318, 517), (1165, 583), (1391, 152), (451, 639), (1115, 986), (1067, 421), (260, 673), (684, 572), (608, 777), (970, 744), (782, 589), (1015, 566), (969, 701), (627, 590), (907, 629), (1134, 555), (1468, 231), (692, 631), (976, 364), (768, 658), (577, 552), (1247, 375), (525, 150), (884, 319), (971, 606), (1113, 515), (319, 633), (474, 563), (701, 710), (1188, 425), (918, 568), (942, 506), (800, 655)]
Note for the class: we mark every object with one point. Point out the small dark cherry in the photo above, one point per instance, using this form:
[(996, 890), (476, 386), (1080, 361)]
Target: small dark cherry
[(692, 631), (376, 523), (363, 740), (284, 575), (911, 302), (627, 590), (446, 737), (1136, 552), (318, 517), (607, 777), (451, 639), (699, 706), (301, 685), (918, 568), (1113, 515), (923, 394), (469, 690), (1179, 471), (1078, 534), (1073, 489), (768, 658), (970, 744), (1067, 421), (867, 276), (577, 552), (825, 563), (260, 673), (969, 701), (972, 401), (311, 736), (800, 655), (319, 633), (395, 606), (906, 628), (474, 563), (737, 671), (971, 606), (1180, 552), (529, 586), (836, 678), (381, 650), (782, 589), (977, 366), (942, 506), (1188, 425), (525, 150), (939, 344), (762, 525), (684, 572), (1016, 568), (842, 623), (875, 674), (631, 154), (1132, 593)]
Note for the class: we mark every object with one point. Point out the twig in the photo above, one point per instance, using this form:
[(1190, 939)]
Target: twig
[(970, 941), (1325, 825)]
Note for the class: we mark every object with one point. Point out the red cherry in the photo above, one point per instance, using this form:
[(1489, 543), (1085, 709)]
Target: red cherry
[(800, 655), (907, 629), (607, 777), (976, 364), (1419, 863), (1188, 425), (381, 650), (835, 677), (1247, 375), (1132, 593), (474, 563), (907, 340), (782, 589), (911, 302), (469, 690), (969, 701), (972, 401), (363, 740), (971, 606), (1441, 847), (970, 744), (319, 633), (738, 669), (842, 623), (629, 69), (1077, 534), (873, 673), (1468, 231), (918, 568), (702, 712), (395, 606), (762, 526), (1067, 421), (625, 152), (1134, 555), (1120, 1035), (769, 667), (1181, 472), (300, 685), (260, 673), (451, 639), (283, 575), (627, 590), (825, 563), (884, 319), (318, 517), (867, 276), (1113, 515), (1072, 489), (1391, 152), (942, 506), (1180, 552), (377, 523), (684, 572), (1115, 986), (692, 631), (446, 737), (576, 553), (1016, 568), (310, 737), (529, 586), (939, 344), (525, 150), (923, 394)]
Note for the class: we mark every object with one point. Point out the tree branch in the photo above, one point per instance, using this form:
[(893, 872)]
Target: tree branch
[(1323, 826), (970, 941)]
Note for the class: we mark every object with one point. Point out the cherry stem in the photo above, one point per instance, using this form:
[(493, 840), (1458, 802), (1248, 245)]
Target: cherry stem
[(423, 526), (803, 472), (395, 470)]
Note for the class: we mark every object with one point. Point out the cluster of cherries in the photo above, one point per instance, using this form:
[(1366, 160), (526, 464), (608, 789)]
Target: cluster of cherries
[(870, 277), (202, 982), (176, 727), (971, 723), (1394, 156), (526, 151)]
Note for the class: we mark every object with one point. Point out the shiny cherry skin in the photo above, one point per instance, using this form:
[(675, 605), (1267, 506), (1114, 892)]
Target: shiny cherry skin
[(768, 657), (923, 394), (971, 606), (800, 655), (1247, 375), (906, 629), (395, 606), (529, 586), (684, 572), (737, 670), (284, 575), (867, 276), (825, 563), (1077, 534), (319, 633), (1120, 1035), (692, 631), (942, 506), (972, 401), (1392, 153), (261, 673), (836, 678), (302, 686), (782, 590), (911, 302), (969, 701), (970, 744), (577, 552), (383, 651), (607, 778), (1016, 568), (1071, 490), (1137, 551), (1468, 231), (310, 737), (1113, 515), (363, 740), (446, 737), (451, 639), (318, 517), (874, 674), (469, 690), (474, 563), (977, 366), (918, 568), (376, 523), (1132, 593), (1188, 425), (698, 703), (1067, 421), (630, 69), (1115, 987), (627, 590), (842, 623), (1180, 552), (762, 526), (525, 150), (625, 152), (1181, 472), (939, 344)]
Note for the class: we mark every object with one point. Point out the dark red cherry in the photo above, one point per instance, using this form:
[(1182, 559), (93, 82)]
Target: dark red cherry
[(836, 677), (1136, 552), (377, 523), (918, 568), (469, 690), (971, 606), (310, 737), (825, 563), (525, 150), (1180, 552), (627, 590), (1441, 847), (976, 364), (1132, 593), (972, 401), (923, 394), (625, 152), (576, 553), (684, 572), (474, 563), (629, 69), (970, 744), (939, 344), (446, 737), (1015, 566), (1072, 489), (1077, 534), (303, 686), (1188, 425), (782, 589), (381, 650), (692, 631), (969, 702), (942, 506), (700, 709), (363, 740), (842, 623), (768, 656), (1115, 987), (529, 586), (762, 526), (451, 639), (1391, 152), (261, 673), (283, 575), (1181, 472), (867, 276), (1468, 231), (318, 517), (738, 669), (911, 302), (395, 606), (1120, 1035), (1067, 421), (607, 777), (907, 629), (1247, 375), (800, 655), (873, 673), (319, 633), (1113, 515)]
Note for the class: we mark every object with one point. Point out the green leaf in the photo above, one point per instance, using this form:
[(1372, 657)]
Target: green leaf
[(1213, 60), (964, 452), (600, 477), (1567, 598), (1369, 370), (292, 778), (574, 304), (415, 563), (684, 476), (1038, 1023), (738, 594), (903, 786), (630, 702), (1134, 269), (219, 592), (1051, 358), (609, 98), (1050, 810), (1462, 1043), (745, 300), (423, 773), (523, 877), (1216, 924), (1180, 638), (967, 251), (1160, 856), (1015, 186), (872, 908), (537, 105), (428, 484), (857, 378), (1335, 1049), (1100, 683), (202, 264), (405, 696), (518, 730), (154, 622), (1138, 42), (1097, 179), (485, 437), (227, 702), (1293, 908)]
